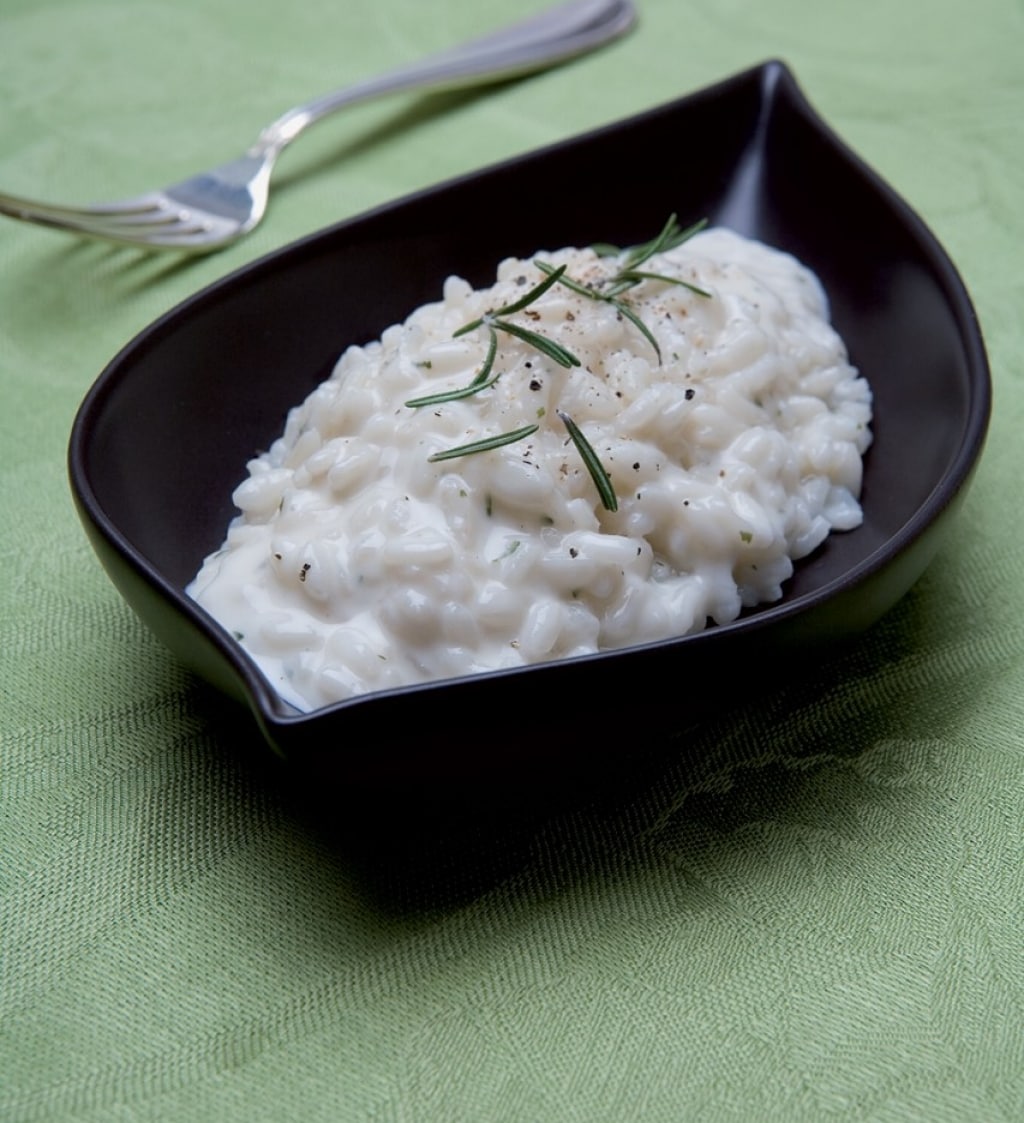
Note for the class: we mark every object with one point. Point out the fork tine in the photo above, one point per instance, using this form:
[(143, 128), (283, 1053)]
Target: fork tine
[(144, 220), (34, 211), (95, 220)]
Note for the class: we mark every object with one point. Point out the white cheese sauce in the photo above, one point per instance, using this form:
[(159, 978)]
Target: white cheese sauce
[(356, 564)]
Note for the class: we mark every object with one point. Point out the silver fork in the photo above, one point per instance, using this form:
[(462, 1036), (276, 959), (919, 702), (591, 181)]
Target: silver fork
[(214, 209)]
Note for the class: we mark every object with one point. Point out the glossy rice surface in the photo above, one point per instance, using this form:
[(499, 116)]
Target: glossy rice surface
[(733, 444)]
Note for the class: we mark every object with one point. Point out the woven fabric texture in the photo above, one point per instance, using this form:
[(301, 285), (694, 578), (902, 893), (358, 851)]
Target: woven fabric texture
[(810, 908)]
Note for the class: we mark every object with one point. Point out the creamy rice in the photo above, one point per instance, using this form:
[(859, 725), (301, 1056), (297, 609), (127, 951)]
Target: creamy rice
[(356, 564)]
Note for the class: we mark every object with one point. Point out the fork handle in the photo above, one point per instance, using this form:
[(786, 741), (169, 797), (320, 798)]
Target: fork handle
[(550, 37)]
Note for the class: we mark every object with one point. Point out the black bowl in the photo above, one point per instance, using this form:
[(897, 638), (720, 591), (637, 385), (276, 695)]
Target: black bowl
[(163, 436)]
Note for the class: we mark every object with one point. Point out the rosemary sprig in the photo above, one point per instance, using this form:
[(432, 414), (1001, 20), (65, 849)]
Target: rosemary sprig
[(669, 237), (598, 472), (634, 276), (630, 275), (484, 445), (452, 395), (624, 310), (610, 290), (609, 297), (480, 382), (492, 321), (561, 355), (524, 301)]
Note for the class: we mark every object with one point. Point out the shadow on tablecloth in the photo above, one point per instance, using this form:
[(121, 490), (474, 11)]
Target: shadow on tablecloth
[(799, 752)]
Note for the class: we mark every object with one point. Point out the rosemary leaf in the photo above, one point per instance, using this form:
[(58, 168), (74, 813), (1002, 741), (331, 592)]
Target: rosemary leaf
[(636, 255), (687, 234), (620, 283), (573, 286), (488, 363), (539, 342), (616, 287), (467, 328), (516, 306), (598, 473), (452, 395), (671, 236), (485, 445), (480, 381), (537, 291), (695, 289), (638, 275), (624, 310)]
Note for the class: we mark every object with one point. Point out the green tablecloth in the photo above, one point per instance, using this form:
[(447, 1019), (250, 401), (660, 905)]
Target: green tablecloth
[(807, 912)]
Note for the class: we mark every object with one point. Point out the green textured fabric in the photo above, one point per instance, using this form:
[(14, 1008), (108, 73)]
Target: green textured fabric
[(811, 910)]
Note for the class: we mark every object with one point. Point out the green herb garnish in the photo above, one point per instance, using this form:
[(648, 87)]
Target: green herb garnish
[(598, 472), (670, 236), (561, 355), (610, 290), (494, 322), (480, 381), (452, 395), (629, 275), (524, 301), (485, 445)]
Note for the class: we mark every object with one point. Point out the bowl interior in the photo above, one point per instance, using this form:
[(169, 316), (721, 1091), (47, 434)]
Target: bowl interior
[(164, 435)]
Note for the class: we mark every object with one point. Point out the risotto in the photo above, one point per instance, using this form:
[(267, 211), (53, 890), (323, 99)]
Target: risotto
[(601, 449)]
